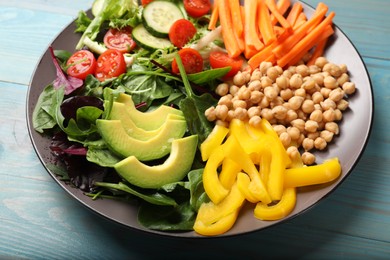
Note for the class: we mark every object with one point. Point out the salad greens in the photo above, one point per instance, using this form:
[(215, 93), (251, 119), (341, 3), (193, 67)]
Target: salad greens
[(87, 162)]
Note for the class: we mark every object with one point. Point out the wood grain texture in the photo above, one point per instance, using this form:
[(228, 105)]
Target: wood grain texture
[(38, 220)]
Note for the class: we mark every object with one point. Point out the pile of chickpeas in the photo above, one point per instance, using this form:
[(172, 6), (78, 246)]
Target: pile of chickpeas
[(303, 103)]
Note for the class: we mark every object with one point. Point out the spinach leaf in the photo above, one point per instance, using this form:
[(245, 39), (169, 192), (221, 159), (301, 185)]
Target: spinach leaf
[(207, 76), (42, 119), (102, 157)]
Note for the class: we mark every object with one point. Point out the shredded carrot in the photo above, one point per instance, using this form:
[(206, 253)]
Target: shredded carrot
[(279, 17), (251, 33), (228, 35), (310, 40), (295, 11), (214, 16), (265, 25), (300, 32), (282, 6), (318, 51)]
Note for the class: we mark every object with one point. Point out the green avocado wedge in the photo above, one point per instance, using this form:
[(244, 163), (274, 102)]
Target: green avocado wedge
[(123, 145), (150, 120), (174, 169), (119, 112)]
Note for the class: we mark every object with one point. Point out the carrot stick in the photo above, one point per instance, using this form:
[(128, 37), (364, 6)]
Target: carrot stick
[(300, 32), (282, 6), (307, 42), (262, 55), (236, 16), (279, 17), (265, 25), (295, 11), (251, 34), (214, 16), (301, 19), (318, 51), (228, 35)]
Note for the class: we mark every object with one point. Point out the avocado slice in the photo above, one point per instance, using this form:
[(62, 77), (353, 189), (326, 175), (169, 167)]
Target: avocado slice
[(150, 120), (119, 112), (174, 169), (120, 143)]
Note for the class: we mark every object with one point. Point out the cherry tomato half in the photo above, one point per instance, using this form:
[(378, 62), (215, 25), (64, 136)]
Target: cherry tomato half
[(145, 2), (110, 64), (191, 59), (197, 8), (181, 32), (220, 59), (81, 64), (120, 40)]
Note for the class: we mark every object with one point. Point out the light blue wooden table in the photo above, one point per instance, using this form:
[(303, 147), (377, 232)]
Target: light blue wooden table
[(38, 220)]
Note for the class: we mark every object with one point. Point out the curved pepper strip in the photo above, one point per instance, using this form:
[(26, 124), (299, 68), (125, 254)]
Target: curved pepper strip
[(280, 210), (228, 173), (217, 218), (234, 151), (243, 182), (328, 171), (213, 140), (212, 185)]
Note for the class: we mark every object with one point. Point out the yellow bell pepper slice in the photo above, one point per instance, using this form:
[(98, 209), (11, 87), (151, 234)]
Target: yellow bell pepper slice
[(325, 172), (280, 210), (234, 151), (228, 173), (243, 182), (213, 140), (214, 218), (211, 183)]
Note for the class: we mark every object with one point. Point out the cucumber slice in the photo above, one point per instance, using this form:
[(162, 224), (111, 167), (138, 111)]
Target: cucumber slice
[(158, 17), (97, 6), (146, 40)]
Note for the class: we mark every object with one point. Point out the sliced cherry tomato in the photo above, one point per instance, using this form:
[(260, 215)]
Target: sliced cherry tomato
[(181, 32), (110, 64), (197, 8), (81, 64), (145, 2), (191, 59), (120, 40), (220, 59)]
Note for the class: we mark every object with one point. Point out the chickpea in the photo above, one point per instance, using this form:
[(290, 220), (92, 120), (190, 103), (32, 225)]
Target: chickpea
[(318, 78), (300, 92), (327, 135), (244, 93), (343, 68), (233, 89), (226, 100), (222, 89), (256, 75), (308, 158), (332, 127), (328, 104), (301, 114), (256, 97), (303, 70), (349, 88), (342, 79), (266, 81), (293, 153), (267, 114), (308, 84), (318, 107), (287, 74), (313, 69), (299, 123), (285, 139), (338, 114), (329, 115), (230, 116), (221, 112), (264, 103), (278, 101), (290, 115), (330, 82), (320, 143), (300, 139), (270, 93), (295, 102), (320, 62), (316, 115), (286, 94), (336, 94), (311, 126), (239, 79), (317, 97), (272, 73), (279, 129), (333, 69), (254, 111), (279, 112), (210, 114), (255, 121), (264, 66), (296, 81), (308, 144), (293, 132), (313, 135), (342, 104), (308, 106), (239, 103), (240, 113), (282, 82), (222, 123), (325, 92), (254, 85)]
